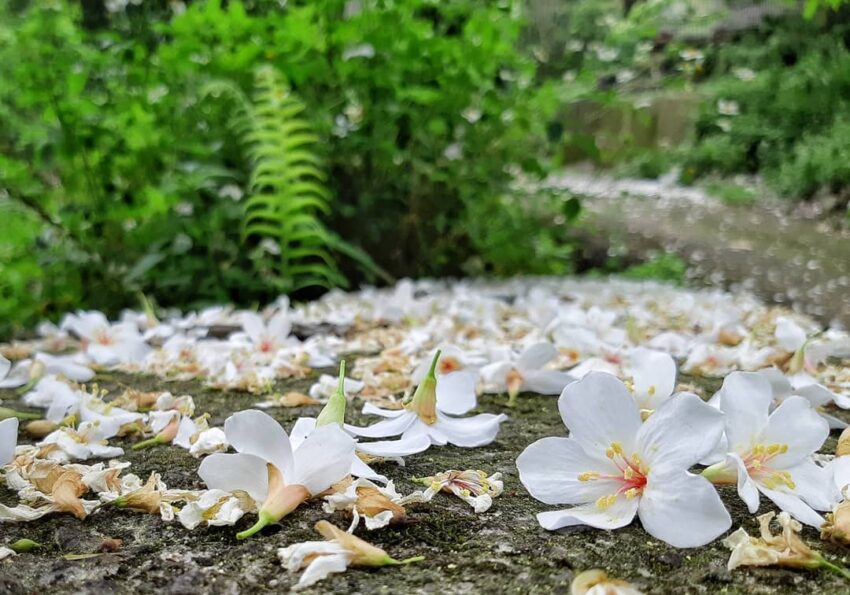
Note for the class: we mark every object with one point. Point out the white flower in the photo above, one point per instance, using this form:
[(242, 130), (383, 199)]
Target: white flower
[(653, 377), (614, 467), (8, 439), (327, 385), (29, 371), (726, 107), (107, 344), (805, 386), (425, 420), (526, 373), (270, 471), (87, 441), (267, 337), (771, 452)]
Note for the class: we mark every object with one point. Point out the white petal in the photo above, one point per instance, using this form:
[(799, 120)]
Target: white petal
[(321, 567), (405, 446), (682, 509), (253, 326), (360, 469), (231, 472), (747, 489), (536, 356), (370, 409), (302, 428), (8, 439), (840, 468), (5, 365), (545, 382), (322, 459), (549, 470), (387, 427), (680, 433), (789, 334), (654, 376), (469, 432), (798, 425), (615, 516), (778, 382), (598, 410), (745, 398), (813, 484), (256, 433), (794, 505), (456, 392)]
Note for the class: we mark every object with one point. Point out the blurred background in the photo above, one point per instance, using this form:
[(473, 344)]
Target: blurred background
[(183, 153)]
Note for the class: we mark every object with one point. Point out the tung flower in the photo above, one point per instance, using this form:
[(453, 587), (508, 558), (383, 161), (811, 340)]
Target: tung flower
[(614, 467), (268, 468), (771, 452), (425, 420), (526, 373)]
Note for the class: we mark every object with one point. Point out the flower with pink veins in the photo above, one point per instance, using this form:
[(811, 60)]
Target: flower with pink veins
[(273, 473), (526, 373), (771, 453), (428, 418), (613, 467)]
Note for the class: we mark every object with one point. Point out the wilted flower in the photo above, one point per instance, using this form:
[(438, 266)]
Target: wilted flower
[(597, 582), (781, 549), (377, 506), (472, 486), (342, 550)]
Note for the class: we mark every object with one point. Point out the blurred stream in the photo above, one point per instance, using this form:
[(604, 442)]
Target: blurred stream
[(804, 263)]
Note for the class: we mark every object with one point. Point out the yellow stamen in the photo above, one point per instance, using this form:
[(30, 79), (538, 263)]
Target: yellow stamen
[(605, 502), (588, 476)]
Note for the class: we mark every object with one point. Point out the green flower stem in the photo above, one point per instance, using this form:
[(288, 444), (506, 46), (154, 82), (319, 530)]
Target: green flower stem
[(5, 412), (149, 442), (264, 520)]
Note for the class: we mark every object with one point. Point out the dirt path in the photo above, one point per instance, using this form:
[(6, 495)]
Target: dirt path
[(794, 261)]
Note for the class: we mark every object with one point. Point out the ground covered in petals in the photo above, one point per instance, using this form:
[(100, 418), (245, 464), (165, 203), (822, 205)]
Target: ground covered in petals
[(501, 550)]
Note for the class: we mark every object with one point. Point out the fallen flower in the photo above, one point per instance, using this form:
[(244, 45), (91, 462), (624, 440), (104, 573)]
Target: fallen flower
[(377, 506), (597, 582), (526, 373), (266, 467), (782, 549), (837, 525), (653, 378), (771, 452), (424, 420), (216, 508), (473, 487), (8, 439), (341, 550), (614, 466)]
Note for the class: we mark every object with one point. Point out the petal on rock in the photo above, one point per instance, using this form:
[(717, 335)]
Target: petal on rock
[(231, 472)]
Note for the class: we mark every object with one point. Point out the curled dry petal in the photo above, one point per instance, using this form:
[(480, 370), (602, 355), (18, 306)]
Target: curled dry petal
[(597, 582)]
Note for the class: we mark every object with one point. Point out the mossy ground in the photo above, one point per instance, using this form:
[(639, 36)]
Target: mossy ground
[(501, 551)]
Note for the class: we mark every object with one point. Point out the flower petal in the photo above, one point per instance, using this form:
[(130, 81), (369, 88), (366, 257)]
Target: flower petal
[(370, 409), (654, 376), (299, 432), (231, 472), (469, 432), (456, 392), (322, 459), (8, 439), (789, 334), (256, 433), (405, 446), (387, 427), (745, 398), (813, 484), (797, 424), (549, 470), (680, 433), (598, 410), (320, 567), (682, 509), (615, 516), (545, 382), (536, 356), (794, 505), (747, 489)]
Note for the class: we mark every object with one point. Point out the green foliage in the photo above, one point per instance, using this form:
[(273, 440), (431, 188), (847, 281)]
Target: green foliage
[(663, 266), (121, 175), (732, 194)]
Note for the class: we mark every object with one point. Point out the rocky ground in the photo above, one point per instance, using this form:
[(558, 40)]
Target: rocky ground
[(502, 550)]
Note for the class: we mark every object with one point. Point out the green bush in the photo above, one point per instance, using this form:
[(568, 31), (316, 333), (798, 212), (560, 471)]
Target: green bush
[(124, 176)]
